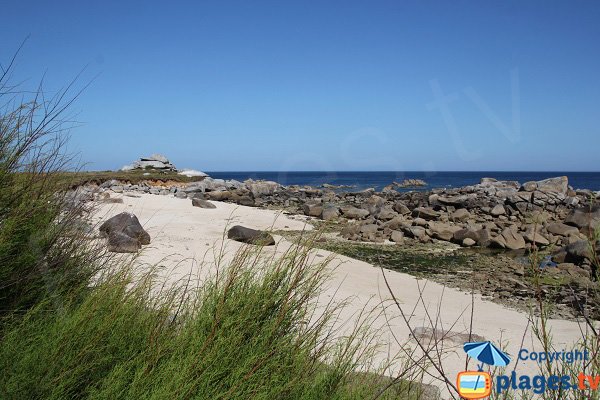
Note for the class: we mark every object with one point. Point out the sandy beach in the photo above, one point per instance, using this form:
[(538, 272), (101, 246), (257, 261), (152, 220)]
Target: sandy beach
[(184, 239)]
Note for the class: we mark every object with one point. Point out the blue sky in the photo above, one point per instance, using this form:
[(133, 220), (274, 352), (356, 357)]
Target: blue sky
[(322, 85)]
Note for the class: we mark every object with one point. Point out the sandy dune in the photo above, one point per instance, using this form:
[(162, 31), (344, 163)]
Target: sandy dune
[(182, 232)]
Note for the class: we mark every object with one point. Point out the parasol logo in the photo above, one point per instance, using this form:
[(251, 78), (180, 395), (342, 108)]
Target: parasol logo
[(478, 384)]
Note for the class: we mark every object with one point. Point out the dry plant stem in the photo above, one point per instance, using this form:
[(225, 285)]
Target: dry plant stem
[(437, 366)]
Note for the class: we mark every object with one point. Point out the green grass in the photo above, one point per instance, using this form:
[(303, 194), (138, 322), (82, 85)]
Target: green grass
[(74, 179), (247, 334)]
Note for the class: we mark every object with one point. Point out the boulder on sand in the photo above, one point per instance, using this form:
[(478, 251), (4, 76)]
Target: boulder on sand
[(251, 236), (124, 224), (198, 202)]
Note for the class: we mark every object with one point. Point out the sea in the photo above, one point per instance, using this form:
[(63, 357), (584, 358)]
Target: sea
[(357, 180)]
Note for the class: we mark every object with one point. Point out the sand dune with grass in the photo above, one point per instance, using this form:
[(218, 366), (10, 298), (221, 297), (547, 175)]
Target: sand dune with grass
[(187, 240)]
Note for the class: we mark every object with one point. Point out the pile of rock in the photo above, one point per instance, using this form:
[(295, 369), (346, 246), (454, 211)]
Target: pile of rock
[(154, 162)]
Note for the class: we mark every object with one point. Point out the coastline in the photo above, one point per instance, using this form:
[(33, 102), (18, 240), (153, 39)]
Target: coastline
[(182, 233)]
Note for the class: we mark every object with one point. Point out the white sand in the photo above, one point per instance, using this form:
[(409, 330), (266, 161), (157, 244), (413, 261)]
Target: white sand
[(180, 231)]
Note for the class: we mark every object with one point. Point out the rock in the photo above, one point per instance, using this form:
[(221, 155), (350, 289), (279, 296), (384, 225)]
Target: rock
[(368, 228), (498, 210), (561, 229), (121, 243), (417, 232), (585, 218), (411, 183), (468, 242), (155, 161), (261, 188), (535, 236), (559, 184), (117, 188), (385, 214), (330, 212), (312, 210), (389, 189), (401, 208), (462, 214), (198, 202), (124, 224), (578, 251), (467, 233), (529, 187), (397, 237), (354, 213), (181, 195), (156, 157), (250, 236), (443, 231), (425, 213), (573, 269), (509, 239)]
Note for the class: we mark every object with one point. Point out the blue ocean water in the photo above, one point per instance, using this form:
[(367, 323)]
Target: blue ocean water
[(377, 180)]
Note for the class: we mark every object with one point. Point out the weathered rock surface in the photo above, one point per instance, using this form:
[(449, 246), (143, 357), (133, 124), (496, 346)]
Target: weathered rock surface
[(125, 233), (197, 202), (250, 236)]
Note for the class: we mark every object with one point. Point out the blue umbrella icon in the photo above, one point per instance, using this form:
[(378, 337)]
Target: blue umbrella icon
[(486, 353)]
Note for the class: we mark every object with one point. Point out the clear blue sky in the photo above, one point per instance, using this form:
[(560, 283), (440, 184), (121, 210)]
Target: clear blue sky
[(322, 85)]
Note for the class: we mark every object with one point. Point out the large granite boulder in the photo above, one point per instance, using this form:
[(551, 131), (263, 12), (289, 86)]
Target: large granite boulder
[(559, 184), (125, 233), (251, 236), (261, 188)]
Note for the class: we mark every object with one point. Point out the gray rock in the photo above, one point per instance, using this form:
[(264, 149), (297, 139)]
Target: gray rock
[(401, 208), (417, 232), (561, 229), (530, 186), (121, 243), (585, 218), (509, 239), (443, 231), (462, 214), (261, 188), (124, 224), (354, 213), (312, 210), (368, 228), (330, 212), (196, 202), (498, 210), (468, 242), (385, 214), (531, 235), (397, 237), (425, 213), (117, 188), (250, 236), (559, 184), (181, 195)]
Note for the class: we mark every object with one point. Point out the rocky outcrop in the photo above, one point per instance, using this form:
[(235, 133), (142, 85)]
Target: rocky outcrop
[(153, 162)]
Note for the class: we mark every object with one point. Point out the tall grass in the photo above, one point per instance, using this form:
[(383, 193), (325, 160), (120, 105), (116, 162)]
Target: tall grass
[(248, 332)]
